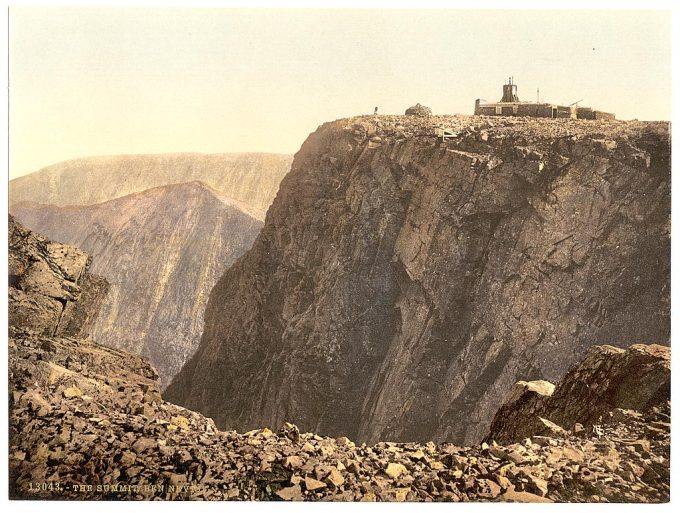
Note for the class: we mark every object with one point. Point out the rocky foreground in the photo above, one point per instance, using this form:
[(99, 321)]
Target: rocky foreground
[(88, 422)]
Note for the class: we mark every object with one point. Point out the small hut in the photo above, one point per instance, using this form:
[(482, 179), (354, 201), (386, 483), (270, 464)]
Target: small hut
[(419, 110)]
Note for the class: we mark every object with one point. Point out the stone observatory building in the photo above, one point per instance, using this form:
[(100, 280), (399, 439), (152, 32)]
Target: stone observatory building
[(510, 105)]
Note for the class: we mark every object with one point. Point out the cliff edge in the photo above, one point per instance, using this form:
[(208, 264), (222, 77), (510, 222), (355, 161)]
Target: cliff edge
[(51, 291), (403, 282)]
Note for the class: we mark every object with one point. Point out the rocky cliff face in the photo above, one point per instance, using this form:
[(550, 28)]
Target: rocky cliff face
[(51, 291), (402, 284), (162, 251), (249, 178)]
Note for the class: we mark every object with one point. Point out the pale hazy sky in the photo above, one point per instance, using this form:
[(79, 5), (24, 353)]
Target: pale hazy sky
[(92, 81)]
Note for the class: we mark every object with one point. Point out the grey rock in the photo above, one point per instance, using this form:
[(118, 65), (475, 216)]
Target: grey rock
[(610, 384), (45, 280)]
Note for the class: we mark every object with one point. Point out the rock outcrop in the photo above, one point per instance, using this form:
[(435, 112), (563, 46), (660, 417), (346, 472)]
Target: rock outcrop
[(609, 382), (51, 291), (162, 251), (402, 284), (249, 178)]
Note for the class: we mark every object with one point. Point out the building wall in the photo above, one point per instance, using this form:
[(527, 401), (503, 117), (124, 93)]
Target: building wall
[(590, 113), (585, 113), (566, 112), (604, 115), (536, 110)]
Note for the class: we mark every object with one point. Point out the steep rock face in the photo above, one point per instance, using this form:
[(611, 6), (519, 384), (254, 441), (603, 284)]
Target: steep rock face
[(250, 178), (162, 250), (402, 284), (608, 379), (51, 291)]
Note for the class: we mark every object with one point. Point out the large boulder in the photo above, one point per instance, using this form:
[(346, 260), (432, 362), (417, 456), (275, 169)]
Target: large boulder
[(609, 380)]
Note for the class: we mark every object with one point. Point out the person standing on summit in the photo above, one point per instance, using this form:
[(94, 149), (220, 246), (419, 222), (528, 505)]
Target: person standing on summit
[(375, 111)]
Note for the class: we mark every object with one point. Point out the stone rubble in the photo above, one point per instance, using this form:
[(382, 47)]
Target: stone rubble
[(90, 420)]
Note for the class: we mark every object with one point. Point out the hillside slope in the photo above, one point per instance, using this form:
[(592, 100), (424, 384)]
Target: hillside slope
[(162, 251), (402, 284), (250, 178)]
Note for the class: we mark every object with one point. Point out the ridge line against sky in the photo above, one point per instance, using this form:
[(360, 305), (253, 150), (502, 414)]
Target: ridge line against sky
[(90, 81)]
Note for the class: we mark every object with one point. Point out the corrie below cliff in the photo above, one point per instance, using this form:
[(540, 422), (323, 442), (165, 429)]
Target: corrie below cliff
[(88, 422)]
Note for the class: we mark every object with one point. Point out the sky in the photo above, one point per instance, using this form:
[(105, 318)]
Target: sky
[(100, 81)]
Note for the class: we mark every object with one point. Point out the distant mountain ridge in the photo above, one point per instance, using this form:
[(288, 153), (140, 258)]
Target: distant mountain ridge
[(252, 179), (162, 250)]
